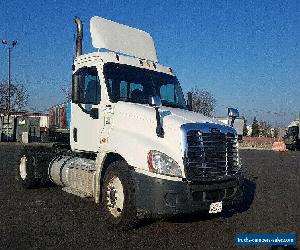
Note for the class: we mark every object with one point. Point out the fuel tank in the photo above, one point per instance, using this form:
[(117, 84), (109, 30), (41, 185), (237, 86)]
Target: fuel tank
[(74, 173)]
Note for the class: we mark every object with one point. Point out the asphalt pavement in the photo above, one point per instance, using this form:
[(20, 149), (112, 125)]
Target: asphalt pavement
[(49, 218)]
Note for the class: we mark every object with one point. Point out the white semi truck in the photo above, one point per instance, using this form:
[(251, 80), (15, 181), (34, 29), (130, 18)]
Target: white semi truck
[(292, 137), (238, 124), (135, 147)]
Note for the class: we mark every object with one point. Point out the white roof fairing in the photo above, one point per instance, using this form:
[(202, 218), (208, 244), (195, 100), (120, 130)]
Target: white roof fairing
[(117, 37)]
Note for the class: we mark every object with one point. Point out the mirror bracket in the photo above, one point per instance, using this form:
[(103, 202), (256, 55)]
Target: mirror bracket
[(155, 102)]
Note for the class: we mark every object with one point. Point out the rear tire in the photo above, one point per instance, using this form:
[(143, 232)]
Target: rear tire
[(32, 171), (118, 197), (26, 172)]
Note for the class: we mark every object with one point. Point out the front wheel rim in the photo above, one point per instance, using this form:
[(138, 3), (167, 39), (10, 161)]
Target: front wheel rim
[(115, 196), (23, 167)]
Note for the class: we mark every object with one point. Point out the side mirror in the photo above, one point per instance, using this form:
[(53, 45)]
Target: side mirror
[(155, 101), (233, 113)]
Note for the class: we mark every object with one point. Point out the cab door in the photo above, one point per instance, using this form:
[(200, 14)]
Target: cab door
[(85, 126)]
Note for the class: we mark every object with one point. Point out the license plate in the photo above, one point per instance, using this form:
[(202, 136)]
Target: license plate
[(215, 207)]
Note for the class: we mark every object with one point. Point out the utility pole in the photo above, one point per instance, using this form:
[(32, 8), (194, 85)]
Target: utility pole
[(9, 81), (10, 46)]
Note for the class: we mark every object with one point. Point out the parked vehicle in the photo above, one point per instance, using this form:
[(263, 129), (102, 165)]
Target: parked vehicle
[(238, 124), (135, 147), (292, 137), (7, 128), (28, 129), (23, 126), (59, 123)]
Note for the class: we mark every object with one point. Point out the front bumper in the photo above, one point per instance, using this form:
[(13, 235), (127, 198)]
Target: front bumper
[(164, 197)]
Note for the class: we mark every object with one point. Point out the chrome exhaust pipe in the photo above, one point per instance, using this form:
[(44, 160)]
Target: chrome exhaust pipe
[(79, 36)]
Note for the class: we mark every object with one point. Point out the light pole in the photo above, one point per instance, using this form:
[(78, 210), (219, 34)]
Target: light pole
[(10, 46)]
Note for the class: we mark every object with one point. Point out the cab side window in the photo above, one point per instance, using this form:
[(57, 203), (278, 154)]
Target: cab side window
[(89, 85)]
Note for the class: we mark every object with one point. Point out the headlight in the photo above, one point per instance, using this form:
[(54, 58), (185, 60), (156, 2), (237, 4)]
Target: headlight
[(160, 163)]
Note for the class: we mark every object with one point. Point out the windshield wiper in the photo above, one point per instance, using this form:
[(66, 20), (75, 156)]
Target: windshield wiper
[(171, 104), (128, 99)]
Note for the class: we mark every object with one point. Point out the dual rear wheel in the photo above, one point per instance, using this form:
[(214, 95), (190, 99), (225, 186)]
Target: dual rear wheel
[(33, 166), (26, 172)]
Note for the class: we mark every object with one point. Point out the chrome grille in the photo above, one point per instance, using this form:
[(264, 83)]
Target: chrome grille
[(210, 153)]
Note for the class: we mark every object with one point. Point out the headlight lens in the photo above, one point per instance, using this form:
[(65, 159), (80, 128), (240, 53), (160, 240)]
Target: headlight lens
[(160, 163)]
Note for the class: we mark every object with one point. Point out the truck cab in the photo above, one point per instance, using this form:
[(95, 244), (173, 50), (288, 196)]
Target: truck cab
[(136, 148), (292, 137)]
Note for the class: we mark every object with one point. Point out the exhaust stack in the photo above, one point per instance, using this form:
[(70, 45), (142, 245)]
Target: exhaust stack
[(79, 36)]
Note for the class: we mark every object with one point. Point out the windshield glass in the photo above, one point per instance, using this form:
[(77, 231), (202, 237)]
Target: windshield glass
[(293, 131), (132, 84)]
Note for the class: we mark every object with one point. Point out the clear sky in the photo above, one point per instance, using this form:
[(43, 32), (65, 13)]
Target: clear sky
[(246, 53)]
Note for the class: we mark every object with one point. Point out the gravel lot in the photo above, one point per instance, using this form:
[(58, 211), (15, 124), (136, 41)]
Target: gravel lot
[(50, 218)]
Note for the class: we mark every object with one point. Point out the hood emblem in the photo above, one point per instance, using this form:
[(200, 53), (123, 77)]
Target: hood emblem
[(215, 131)]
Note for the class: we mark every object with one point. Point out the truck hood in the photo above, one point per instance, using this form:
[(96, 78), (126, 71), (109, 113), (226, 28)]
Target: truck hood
[(170, 117), (134, 130)]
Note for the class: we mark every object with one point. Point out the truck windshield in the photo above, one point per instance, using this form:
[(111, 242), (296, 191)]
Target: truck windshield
[(133, 84)]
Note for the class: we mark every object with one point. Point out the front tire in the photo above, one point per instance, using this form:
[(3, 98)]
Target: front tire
[(118, 197)]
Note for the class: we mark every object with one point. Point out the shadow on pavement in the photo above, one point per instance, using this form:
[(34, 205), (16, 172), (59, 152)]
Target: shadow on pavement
[(249, 189)]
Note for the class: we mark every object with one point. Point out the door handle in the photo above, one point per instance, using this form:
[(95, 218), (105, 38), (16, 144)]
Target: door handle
[(75, 134)]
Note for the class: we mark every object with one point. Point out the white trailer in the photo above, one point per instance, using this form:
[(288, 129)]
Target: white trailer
[(292, 137)]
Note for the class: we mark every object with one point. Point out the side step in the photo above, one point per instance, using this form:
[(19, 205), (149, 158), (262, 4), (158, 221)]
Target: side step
[(80, 180)]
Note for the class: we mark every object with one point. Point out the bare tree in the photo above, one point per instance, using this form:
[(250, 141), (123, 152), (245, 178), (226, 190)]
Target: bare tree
[(18, 96), (203, 101), (265, 129), (67, 92)]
